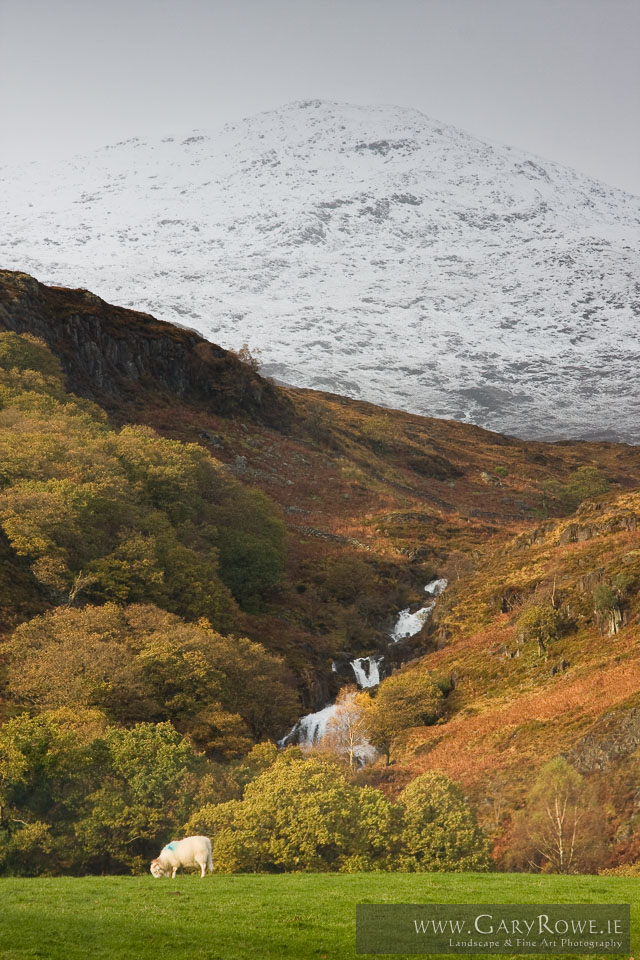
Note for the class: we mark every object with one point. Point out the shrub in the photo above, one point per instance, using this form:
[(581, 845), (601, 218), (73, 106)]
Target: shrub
[(299, 814), (439, 828), (585, 482), (604, 599), (409, 698), (540, 623)]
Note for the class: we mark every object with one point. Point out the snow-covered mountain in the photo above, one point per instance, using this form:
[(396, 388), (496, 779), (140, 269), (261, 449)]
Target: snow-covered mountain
[(369, 251)]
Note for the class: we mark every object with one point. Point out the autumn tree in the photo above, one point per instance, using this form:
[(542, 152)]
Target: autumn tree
[(125, 515), (561, 828), (78, 659), (346, 733), (141, 663), (252, 358)]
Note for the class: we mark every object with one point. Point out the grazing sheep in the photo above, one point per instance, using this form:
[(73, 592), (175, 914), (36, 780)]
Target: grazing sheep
[(190, 852)]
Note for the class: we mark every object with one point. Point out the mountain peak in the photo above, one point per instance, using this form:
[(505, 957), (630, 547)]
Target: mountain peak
[(370, 251)]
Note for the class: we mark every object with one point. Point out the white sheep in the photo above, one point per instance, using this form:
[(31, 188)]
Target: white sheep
[(190, 852)]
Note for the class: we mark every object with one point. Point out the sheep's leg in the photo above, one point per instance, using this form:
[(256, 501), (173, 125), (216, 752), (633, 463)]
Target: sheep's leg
[(203, 870), (173, 875)]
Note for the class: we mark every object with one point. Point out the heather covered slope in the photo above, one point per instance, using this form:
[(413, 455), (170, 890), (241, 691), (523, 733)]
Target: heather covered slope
[(516, 706), (371, 251)]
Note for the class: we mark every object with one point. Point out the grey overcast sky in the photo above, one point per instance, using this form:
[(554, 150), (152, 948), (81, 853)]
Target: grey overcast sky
[(560, 78)]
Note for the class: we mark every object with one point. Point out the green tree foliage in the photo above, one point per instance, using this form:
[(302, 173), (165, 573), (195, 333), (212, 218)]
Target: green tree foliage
[(79, 795), (439, 828), (124, 515), (586, 481), (605, 599), (303, 814), (562, 827), (610, 599), (540, 623), (409, 698), (141, 663), (46, 772), (299, 814), (150, 776)]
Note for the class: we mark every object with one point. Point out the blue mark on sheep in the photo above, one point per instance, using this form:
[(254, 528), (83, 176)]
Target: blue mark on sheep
[(172, 845)]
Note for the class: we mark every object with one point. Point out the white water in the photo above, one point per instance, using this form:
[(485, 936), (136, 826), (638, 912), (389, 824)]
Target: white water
[(365, 753), (310, 729), (436, 587), (367, 671), (408, 624)]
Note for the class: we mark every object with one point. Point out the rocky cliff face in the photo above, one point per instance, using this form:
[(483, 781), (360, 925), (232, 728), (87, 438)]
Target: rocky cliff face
[(121, 357)]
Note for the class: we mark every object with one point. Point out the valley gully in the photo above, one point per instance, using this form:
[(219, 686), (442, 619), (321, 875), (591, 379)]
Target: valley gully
[(310, 729)]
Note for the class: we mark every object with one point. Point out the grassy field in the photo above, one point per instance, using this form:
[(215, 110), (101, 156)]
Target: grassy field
[(249, 917)]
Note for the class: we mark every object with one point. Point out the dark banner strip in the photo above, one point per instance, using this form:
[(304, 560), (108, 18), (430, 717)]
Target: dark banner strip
[(502, 928)]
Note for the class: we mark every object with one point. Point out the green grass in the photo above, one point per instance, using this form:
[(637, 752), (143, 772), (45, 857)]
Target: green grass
[(252, 917)]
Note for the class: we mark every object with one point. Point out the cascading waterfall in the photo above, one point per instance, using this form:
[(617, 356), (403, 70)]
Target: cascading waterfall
[(310, 729), (436, 587), (367, 671), (408, 624)]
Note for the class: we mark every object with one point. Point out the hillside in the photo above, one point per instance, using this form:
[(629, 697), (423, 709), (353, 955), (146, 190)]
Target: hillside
[(352, 479), (174, 490), (369, 251), (514, 706)]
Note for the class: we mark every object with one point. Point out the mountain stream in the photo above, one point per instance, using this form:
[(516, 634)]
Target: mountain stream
[(310, 729)]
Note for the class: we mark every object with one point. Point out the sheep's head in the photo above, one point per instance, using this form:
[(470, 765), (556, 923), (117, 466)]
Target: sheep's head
[(157, 869)]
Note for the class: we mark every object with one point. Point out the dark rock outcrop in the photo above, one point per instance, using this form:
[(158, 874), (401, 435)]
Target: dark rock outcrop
[(578, 532), (613, 736), (122, 358)]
